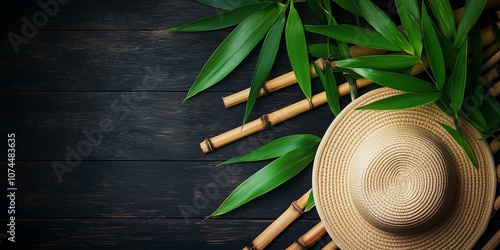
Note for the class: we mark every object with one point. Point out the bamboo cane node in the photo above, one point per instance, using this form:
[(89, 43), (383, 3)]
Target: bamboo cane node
[(311, 104), (301, 243), (265, 90), (297, 208), (251, 246), (265, 122), (210, 145)]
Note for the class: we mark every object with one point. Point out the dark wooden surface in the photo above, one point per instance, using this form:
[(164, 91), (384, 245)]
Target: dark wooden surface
[(140, 187)]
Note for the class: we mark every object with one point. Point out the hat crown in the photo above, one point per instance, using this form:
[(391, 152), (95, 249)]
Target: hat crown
[(402, 179)]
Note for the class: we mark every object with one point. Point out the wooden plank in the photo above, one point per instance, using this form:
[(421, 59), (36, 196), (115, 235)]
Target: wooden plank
[(151, 127), (188, 191), (148, 234)]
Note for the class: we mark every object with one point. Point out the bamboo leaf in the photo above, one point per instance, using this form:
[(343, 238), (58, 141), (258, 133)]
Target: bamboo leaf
[(265, 62), (323, 50), (409, 14), (348, 5), (310, 202), (383, 24), (331, 89), (433, 50), (222, 20), (354, 34), (317, 9), (449, 51), (456, 83), (379, 62), (235, 48), (297, 50), (269, 177), (472, 11), (444, 15), (396, 80), (403, 101), (227, 4), (495, 29), (276, 148), (462, 142)]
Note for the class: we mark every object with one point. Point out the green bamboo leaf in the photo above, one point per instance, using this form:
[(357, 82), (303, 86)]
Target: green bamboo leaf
[(323, 50), (462, 142), (297, 50), (383, 24), (449, 51), (310, 202), (495, 29), (265, 62), (403, 101), (396, 80), (276, 148), (472, 11), (456, 84), (444, 15), (433, 50), (227, 4), (349, 6), (409, 14), (331, 89), (317, 9), (222, 20), (476, 118), (268, 178), (354, 34), (235, 48), (379, 62)]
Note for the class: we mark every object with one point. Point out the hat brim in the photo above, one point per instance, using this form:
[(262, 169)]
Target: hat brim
[(473, 201)]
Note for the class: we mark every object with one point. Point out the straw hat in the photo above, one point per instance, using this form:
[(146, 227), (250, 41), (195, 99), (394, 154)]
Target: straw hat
[(397, 179)]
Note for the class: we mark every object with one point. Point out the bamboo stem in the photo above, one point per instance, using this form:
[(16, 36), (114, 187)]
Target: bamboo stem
[(491, 62), (330, 246), (309, 238), (489, 51), (269, 120), (493, 242), (496, 206), (290, 79), (495, 89), (356, 51), (293, 212), (491, 75)]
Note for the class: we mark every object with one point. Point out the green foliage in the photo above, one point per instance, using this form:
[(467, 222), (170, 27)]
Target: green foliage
[(265, 62), (383, 24), (396, 80), (354, 34), (409, 14), (297, 50), (455, 87), (462, 142), (222, 20), (472, 11), (330, 85), (444, 15), (291, 161), (324, 50), (433, 50), (384, 62), (403, 101), (310, 202), (236, 47)]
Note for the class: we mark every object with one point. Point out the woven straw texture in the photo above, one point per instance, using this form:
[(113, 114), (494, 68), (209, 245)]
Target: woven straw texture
[(397, 179)]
